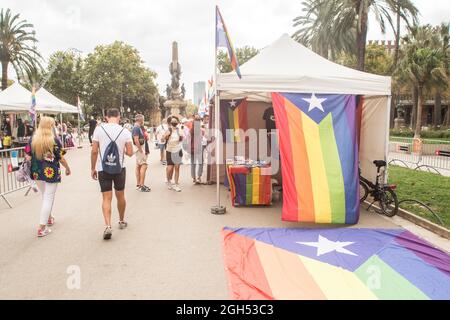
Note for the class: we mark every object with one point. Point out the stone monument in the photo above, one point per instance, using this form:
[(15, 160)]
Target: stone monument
[(175, 105)]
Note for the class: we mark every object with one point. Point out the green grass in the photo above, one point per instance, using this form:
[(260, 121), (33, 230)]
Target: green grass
[(427, 141), (429, 188)]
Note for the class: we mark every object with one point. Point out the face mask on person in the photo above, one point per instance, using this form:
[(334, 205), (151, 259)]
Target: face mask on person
[(174, 123)]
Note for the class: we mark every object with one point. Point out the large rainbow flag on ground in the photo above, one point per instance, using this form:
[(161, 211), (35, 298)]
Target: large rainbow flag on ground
[(233, 116), (319, 157), (340, 263)]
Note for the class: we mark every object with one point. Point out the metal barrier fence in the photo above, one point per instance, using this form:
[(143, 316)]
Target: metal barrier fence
[(10, 160), (432, 155)]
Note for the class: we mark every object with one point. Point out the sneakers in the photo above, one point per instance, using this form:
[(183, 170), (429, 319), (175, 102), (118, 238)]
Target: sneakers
[(169, 185), (51, 221), (176, 188), (43, 232), (123, 224), (144, 189), (107, 234)]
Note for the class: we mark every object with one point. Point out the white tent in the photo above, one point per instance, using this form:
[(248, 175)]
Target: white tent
[(15, 98), (48, 103), (287, 66)]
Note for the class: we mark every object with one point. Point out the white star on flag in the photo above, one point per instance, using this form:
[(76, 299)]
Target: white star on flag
[(232, 103), (314, 103), (324, 246)]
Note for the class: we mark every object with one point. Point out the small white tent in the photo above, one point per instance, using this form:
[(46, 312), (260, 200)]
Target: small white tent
[(15, 98), (287, 66), (48, 103)]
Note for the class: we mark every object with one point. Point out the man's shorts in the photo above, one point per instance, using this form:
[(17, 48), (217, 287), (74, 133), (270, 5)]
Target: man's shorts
[(161, 146), (141, 158), (174, 158), (106, 181)]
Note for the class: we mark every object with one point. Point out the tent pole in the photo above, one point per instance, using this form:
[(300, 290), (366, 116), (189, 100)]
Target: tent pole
[(217, 209), (79, 132), (62, 135)]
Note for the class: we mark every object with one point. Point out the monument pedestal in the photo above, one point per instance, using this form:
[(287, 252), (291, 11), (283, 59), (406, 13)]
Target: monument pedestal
[(175, 107)]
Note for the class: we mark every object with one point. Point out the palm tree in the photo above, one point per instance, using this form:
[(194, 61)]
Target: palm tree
[(323, 35), (443, 44), (16, 38), (346, 15), (424, 66)]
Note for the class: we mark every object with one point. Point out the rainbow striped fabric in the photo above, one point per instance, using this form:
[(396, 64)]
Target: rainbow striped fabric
[(250, 185), (340, 263), (33, 105), (319, 157), (233, 117)]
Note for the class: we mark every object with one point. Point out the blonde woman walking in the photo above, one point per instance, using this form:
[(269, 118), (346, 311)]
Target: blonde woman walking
[(46, 155)]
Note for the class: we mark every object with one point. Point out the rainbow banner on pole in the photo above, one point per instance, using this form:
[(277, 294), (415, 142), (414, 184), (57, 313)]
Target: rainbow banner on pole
[(33, 105), (334, 264), (233, 118), (223, 40), (319, 157)]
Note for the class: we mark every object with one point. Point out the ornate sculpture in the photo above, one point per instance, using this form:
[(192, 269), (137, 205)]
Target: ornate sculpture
[(183, 91), (168, 92), (175, 94)]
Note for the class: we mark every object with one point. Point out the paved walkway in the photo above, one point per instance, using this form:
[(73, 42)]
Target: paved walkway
[(171, 249)]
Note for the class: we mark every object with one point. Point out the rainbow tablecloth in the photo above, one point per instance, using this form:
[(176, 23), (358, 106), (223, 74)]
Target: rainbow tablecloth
[(250, 185)]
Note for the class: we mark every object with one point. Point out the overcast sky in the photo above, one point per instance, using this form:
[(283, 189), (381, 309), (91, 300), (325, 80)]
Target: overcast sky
[(151, 26)]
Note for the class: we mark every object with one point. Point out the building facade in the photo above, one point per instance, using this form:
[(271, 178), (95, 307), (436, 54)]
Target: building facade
[(199, 92)]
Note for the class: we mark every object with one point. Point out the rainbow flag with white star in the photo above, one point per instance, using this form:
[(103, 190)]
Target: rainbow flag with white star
[(223, 40), (334, 264), (233, 119), (319, 157)]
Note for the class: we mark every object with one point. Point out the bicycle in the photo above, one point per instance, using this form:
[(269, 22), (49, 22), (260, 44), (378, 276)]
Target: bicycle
[(383, 194)]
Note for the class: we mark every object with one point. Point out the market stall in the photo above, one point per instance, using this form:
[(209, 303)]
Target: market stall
[(331, 120)]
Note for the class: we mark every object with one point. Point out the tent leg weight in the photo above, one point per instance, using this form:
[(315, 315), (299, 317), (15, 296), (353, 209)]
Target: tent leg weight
[(218, 210)]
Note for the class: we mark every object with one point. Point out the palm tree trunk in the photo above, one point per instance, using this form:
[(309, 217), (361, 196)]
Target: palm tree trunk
[(419, 113), (4, 74), (361, 38), (397, 38), (414, 107), (437, 114)]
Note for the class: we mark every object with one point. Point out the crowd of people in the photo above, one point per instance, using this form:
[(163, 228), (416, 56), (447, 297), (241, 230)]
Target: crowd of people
[(111, 140)]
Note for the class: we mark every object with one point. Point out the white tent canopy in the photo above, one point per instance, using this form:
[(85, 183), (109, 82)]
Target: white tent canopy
[(15, 98), (48, 103), (287, 66)]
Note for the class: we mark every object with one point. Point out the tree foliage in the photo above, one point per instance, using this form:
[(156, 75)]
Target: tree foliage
[(243, 55)]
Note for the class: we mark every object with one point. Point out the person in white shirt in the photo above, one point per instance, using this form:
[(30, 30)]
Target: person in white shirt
[(174, 153), (104, 134), (160, 132)]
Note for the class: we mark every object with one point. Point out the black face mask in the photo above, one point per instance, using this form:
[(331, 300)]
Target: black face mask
[(174, 124)]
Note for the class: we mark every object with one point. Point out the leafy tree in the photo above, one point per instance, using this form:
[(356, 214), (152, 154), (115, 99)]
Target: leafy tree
[(378, 60), (423, 65), (16, 39), (65, 76), (243, 55), (114, 76)]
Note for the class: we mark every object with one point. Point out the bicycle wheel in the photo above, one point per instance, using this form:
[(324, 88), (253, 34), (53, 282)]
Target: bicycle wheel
[(389, 202), (363, 191)]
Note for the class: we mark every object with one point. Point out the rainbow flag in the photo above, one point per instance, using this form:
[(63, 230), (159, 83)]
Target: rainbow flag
[(33, 105), (233, 117), (223, 40), (250, 186), (319, 157), (335, 264)]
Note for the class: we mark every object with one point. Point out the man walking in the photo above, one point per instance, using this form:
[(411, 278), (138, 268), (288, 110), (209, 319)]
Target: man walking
[(143, 149), (111, 142), (92, 126)]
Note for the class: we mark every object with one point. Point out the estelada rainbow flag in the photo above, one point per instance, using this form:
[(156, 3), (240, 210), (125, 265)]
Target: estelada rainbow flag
[(319, 157), (250, 186), (223, 40), (335, 264), (233, 117)]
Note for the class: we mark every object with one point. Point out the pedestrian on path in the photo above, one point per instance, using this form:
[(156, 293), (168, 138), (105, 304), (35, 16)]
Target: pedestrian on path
[(160, 132), (174, 154), (196, 134), (92, 126), (140, 140), (46, 155), (110, 144)]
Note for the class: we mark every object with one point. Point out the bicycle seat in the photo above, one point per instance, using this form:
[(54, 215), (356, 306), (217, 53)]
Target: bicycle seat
[(379, 163)]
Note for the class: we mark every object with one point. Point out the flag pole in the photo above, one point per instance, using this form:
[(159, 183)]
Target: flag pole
[(217, 209), (79, 122)]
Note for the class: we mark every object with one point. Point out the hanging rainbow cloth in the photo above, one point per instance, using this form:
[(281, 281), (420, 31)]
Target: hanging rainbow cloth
[(33, 105), (223, 41)]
